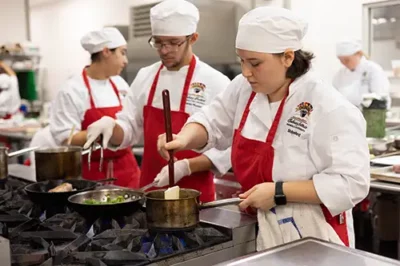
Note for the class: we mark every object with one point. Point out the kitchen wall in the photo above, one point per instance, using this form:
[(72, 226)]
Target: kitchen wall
[(13, 26), (58, 25)]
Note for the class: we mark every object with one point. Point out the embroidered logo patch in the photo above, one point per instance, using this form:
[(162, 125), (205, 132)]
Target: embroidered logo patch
[(197, 87), (305, 108), (196, 96)]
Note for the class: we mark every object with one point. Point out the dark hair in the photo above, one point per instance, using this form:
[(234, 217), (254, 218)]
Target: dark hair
[(300, 65), (97, 56)]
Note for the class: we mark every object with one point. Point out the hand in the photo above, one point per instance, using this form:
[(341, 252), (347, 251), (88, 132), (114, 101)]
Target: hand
[(260, 196), (177, 143), (103, 126), (181, 169)]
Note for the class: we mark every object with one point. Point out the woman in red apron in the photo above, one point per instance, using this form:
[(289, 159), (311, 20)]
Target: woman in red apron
[(298, 148), (91, 95)]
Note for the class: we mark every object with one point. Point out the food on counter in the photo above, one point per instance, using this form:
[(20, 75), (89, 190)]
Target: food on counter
[(396, 169), (172, 193), (64, 187), (108, 200)]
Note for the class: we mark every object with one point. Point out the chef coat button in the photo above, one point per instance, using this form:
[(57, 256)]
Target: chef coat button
[(335, 138)]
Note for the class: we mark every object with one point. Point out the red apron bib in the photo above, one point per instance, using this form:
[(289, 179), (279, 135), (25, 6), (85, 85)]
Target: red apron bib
[(252, 163), (125, 167), (152, 162)]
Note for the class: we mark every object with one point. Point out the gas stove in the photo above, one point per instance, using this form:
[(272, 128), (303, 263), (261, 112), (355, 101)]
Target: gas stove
[(43, 237)]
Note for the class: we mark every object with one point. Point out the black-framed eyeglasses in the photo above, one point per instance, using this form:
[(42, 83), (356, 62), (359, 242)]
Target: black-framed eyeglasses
[(172, 46)]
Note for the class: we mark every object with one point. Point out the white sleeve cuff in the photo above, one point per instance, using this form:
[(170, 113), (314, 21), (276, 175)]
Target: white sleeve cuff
[(199, 118), (221, 160), (126, 142), (329, 188)]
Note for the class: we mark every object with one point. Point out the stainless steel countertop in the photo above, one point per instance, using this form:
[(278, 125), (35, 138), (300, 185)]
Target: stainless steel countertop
[(22, 171), (310, 252), (17, 135)]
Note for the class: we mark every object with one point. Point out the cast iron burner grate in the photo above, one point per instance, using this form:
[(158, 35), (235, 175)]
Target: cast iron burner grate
[(37, 238)]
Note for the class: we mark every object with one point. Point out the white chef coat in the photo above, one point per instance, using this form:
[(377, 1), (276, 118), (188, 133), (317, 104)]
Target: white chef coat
[(328, 146), (42, 139), (206, 83), (72, 101), (368, 77), (10, 100)]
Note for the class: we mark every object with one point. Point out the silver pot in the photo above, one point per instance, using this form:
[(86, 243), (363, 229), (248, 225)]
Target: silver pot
[(4, 155)]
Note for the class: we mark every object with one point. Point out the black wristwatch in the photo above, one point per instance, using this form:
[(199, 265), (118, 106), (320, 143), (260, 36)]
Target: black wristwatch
[(280, 198)]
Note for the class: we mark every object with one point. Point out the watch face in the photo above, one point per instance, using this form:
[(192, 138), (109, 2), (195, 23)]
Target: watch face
[(280, 199)]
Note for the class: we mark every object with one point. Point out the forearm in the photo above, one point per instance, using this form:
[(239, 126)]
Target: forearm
[(199, 164), (301, 192), (117, 136), (195, 136), (78, 139)]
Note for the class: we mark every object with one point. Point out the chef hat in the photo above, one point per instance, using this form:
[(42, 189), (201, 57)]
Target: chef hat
[(5, 81), (270, 30), (174, 18), (109, 37), (348, 47)]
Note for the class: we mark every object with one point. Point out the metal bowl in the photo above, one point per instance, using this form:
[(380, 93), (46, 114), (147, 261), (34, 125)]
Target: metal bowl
[(379, 146)]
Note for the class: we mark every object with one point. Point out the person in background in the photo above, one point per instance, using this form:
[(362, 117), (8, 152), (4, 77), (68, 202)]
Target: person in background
[(359, 76), (10, 100), (298, 147), (191, 84), (91, 95)]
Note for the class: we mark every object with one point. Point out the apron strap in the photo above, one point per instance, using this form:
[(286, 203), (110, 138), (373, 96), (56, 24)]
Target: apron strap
[(154, 86), (246, 111), (186, 87), (188, 79), (275, 123), (87, 84)]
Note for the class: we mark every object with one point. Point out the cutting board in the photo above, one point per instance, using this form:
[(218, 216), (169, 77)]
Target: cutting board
[(389, 160), (385, 174)]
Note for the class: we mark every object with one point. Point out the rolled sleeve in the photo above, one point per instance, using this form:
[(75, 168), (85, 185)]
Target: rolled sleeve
[(340, 151), (221, 160), (66, 113), (200, 118)]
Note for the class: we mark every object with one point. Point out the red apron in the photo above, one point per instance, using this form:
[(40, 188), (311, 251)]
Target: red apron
[(252, 163), (125, 167), (152, 162)]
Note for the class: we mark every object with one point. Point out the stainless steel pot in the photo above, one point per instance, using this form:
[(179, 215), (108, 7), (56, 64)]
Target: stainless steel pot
[(4, 155), (178, 215), (63, 162)]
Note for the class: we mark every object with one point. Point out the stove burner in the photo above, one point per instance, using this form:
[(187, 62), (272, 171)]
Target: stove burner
[(58, 236)]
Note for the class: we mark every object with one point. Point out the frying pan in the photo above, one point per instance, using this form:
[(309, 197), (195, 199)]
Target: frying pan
[(133, 202), (38, 192)]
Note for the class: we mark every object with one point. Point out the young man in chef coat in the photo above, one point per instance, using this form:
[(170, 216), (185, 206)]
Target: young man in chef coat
[(90, 95), (191, 84)]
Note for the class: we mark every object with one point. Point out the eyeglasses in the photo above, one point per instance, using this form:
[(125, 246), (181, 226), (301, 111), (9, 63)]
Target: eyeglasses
[(171, 46)]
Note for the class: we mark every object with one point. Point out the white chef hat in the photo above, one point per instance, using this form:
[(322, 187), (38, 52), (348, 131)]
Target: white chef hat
[(270, 30), (174, 18), (109, 37), (5, 81), (348, 47)]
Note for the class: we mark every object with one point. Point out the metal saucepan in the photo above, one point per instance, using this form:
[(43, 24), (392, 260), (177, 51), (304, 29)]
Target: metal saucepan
[(63, 162), (4, 155), (133, 200), (178, 215), (39, 192)]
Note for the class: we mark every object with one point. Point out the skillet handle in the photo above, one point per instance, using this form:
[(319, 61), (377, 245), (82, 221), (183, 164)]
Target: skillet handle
[(219, 203)]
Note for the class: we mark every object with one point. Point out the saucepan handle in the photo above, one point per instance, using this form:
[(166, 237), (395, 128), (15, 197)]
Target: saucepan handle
[(219, 203), (20, 152)]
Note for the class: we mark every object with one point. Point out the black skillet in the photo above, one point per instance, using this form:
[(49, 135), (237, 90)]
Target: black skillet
[(133, 201), (38, 192)]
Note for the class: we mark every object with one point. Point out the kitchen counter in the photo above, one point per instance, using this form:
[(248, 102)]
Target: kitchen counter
[(310, 252)]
